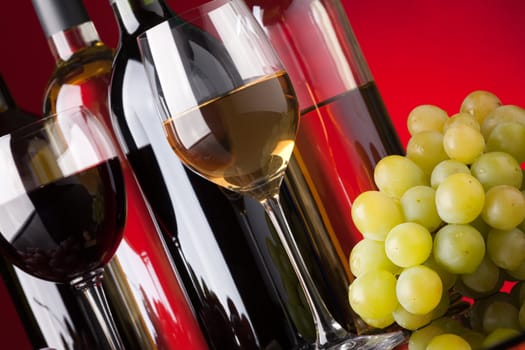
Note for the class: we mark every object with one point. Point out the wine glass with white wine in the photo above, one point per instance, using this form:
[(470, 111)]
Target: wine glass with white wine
[(231, 115)]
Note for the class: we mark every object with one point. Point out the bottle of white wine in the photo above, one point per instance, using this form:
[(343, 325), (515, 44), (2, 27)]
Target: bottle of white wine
[(150, 306)]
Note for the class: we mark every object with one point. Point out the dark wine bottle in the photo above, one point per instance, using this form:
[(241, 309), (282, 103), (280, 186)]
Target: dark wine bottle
[(344, 128), (11, 116), (148, 303), (231, 287), (50, 313)]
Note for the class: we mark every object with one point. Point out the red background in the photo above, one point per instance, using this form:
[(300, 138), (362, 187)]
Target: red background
[(419, 51)]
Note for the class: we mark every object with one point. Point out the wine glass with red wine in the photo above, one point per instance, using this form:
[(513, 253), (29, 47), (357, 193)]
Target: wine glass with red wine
[(231, 115), (63, 205)]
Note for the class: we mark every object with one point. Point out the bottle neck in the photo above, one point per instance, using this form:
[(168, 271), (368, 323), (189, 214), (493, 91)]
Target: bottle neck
[(64, 44), (134, 15)]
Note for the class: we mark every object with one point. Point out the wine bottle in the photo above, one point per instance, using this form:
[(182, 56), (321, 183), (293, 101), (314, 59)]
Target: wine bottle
[(149, 305), (50, 313), (11, 116), (345, 128), (202, 225)]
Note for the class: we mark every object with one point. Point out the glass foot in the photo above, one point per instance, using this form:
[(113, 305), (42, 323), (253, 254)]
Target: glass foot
[(385, 341)]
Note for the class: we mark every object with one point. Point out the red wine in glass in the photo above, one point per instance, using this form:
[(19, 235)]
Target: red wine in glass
[(79, 232), (63, 203)]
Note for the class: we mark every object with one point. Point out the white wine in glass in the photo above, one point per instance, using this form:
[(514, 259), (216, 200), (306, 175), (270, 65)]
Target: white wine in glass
[(230, 113)]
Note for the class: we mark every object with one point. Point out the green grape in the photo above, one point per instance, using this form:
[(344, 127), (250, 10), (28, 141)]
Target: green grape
[(500, 314), (454, 326), (508, 137), (459, 198), (480, 103), (518, 273), (449, 325), (518, 293), (521, 316), (375, 213), (442, 308), (419, 289), (369, 255), (380, 323), (477, 311), (498, 336), (521, 225), (420, 338), (373, 295), (475, 339), (459, 248), (504, 207), (497, 168), (426, 117), (464, 144), (419, 206), (448, 341), (463, 172), (484, 279), (506, 248), (394, 174), (480, 225), (468, 292), (408, 244), (445, 168), (409, 320), (475, 314), (506, 113), (447, 278), (426, 150), (462, 119)]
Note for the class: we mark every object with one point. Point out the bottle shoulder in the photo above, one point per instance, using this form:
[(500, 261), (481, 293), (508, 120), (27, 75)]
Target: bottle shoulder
[(82, 79), (93, 60), (139, 21), (125, 55), (127, 50)]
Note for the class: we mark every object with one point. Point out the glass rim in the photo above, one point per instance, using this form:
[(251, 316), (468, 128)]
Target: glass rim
[(182, 16), (31, 128)]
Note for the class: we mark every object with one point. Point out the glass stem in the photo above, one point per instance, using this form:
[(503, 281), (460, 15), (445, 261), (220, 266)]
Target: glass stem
[(328, 329), (93, 293)]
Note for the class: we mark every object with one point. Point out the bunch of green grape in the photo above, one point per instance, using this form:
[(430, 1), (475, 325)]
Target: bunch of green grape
[(446, 218)]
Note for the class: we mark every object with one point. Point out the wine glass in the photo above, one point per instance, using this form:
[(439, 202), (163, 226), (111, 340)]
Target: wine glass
[(230, 113), (63, 205)]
